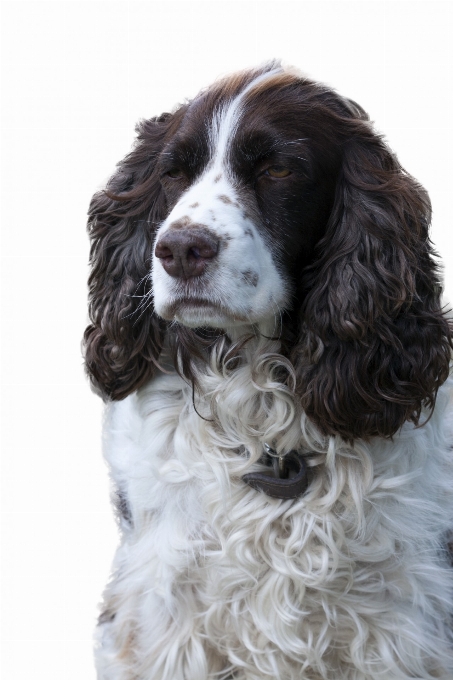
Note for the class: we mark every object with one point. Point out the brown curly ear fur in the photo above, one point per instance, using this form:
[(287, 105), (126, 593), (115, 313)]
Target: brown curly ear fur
[(374, 345), (124, 340)]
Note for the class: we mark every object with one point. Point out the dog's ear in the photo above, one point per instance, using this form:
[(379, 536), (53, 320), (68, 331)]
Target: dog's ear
[(374, 345), (124, 339)]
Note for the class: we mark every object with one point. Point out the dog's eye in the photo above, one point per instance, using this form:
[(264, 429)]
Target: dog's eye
[(277, 171), (174, 173)]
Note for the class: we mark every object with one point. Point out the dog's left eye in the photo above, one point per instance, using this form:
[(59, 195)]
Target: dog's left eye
[(277, 171)]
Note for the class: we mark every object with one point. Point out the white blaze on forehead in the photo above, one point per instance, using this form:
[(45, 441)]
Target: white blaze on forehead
[(226, 119)]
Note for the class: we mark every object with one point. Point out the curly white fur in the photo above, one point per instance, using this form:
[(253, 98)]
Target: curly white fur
[(214, 579)]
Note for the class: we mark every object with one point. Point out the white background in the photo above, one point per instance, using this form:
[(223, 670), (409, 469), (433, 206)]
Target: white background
[(77, 76)]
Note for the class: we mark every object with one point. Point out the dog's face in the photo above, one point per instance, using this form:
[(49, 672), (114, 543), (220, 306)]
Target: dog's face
[(270, 198), (249, 193)]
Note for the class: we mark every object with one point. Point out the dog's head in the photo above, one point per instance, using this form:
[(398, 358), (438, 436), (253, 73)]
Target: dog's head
[(269, 201)]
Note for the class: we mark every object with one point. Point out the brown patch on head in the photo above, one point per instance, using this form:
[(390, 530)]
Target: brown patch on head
[(232, 85), (248, 232), (278, 80), (182, 223), (227, 200), (250, 277), (194, 205), (218, 177)]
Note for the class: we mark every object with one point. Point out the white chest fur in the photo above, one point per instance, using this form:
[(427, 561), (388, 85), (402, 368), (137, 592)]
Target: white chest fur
[(214, 577)]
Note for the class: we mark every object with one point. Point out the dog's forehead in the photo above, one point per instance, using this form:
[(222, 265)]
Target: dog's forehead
[(226, 130), (228, 108)]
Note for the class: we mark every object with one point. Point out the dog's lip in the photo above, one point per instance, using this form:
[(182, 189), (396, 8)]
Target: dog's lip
[(185, 303), (194, 302)]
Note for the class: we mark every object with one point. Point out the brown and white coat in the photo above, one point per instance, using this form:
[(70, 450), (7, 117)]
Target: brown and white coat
[(262, 274)]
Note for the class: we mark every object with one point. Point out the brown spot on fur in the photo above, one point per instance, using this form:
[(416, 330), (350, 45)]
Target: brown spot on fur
[(248, 232), (194, 205), (217, 178), (129, 646), (250, 278), (227, 200), (181, 223)]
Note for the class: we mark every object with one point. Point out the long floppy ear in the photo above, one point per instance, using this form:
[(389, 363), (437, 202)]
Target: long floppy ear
[(375, 345), (124, 339)]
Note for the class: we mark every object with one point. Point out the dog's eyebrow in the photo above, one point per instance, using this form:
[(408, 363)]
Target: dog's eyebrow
[(256, 145), (294, 141), (185, 151)]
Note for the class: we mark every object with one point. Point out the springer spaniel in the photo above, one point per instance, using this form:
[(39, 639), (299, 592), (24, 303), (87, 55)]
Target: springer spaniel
[(267, 332)]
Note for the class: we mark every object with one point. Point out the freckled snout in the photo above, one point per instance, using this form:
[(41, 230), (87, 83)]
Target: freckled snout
[(186, 252)]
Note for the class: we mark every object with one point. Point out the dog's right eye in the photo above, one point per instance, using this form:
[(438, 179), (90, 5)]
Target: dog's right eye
[(174, 173)]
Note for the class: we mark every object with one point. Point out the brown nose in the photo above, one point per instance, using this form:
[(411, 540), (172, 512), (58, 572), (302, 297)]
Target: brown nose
[(185, 252)]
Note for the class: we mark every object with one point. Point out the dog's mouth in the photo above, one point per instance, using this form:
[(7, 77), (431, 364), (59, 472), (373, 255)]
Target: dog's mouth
[(196, 311)]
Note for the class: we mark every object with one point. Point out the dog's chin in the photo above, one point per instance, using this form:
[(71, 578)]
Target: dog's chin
[(200, 313)]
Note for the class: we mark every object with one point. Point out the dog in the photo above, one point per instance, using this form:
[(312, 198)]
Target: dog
[(267, 332)]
